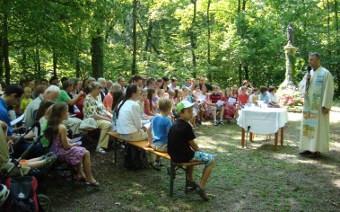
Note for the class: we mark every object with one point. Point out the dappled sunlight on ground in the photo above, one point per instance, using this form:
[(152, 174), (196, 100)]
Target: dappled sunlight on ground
[(337, 183)]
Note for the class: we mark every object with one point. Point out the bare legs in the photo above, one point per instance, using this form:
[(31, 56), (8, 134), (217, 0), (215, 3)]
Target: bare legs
[(205, 174)]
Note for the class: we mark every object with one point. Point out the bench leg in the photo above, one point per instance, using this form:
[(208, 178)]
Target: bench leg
[(186, 180), (282, 135), (242, 137), (276, 140), (172, 177), (116, 146)]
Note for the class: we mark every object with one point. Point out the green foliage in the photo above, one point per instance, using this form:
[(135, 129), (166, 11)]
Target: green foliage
[(245, 43)]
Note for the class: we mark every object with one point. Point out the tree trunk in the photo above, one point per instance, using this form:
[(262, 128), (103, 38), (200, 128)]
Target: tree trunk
[(337, 46), (148, 40), (134, 37), (97, 56), (24, 60), (246, 72), (238, 6), (240, 74), (208, 24), (192, 39), (1, 57), (55, 62), (77, 64), (5, 41), (37, 62), (244, 5)]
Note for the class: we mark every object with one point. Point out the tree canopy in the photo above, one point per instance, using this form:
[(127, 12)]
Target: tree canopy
[(227, 41)]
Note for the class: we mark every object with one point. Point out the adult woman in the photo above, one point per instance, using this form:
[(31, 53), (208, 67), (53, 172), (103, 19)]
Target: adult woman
[(96, 110), (109, 98), (129, 124)]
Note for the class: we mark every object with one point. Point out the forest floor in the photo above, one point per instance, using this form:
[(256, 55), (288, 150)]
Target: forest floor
[(244, 179)]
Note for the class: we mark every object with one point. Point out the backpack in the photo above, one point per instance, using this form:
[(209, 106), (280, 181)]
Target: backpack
[(23, 194), (135, 158)]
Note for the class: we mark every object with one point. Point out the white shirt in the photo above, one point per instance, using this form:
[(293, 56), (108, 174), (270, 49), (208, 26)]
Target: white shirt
[(129, 120)]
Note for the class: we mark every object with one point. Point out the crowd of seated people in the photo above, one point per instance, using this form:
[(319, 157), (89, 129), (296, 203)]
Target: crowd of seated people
[(118, 106)]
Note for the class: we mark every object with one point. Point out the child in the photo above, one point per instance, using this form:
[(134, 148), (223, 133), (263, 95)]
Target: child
[(160, 93), (141, 101), (214, 97), (71, 153), (179, 96), (148, 106), (243, 97), (187, 95), (38, 162), (182, 147), (234, 92), (263, 96), (26, 99), (273, 101), (158, 130), (229, 109), (172, 95), (254, 96)]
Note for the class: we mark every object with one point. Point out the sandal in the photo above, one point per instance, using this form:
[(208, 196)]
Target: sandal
[(93, 184), (80, 179)]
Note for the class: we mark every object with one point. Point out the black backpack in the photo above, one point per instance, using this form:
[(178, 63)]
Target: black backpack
[(135, 158), (23, 194)]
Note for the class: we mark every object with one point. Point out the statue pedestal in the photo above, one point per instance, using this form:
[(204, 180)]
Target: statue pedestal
[(287, 91), (290, 51)]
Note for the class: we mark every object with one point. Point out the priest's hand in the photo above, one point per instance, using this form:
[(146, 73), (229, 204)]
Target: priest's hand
[(325, 110)]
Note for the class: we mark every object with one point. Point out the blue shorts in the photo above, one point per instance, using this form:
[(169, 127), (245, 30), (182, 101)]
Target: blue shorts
[(203, 157)]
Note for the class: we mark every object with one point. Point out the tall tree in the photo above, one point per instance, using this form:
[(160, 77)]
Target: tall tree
[(134, 37)]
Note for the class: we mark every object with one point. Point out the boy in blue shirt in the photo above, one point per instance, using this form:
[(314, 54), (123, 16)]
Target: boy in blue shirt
[(182, 147), (158, 130)]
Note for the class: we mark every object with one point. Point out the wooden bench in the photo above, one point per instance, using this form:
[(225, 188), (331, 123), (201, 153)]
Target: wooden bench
[(173, 166)]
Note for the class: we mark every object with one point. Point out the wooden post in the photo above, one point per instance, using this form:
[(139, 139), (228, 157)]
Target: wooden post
[(242, 137)]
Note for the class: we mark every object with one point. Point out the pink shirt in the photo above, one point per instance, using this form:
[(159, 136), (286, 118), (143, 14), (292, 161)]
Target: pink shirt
[(108, 101)]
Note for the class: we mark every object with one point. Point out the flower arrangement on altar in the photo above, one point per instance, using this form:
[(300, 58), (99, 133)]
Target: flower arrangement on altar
[(293, 101)]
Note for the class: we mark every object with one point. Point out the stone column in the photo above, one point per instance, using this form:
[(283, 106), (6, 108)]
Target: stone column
[(290, 51)]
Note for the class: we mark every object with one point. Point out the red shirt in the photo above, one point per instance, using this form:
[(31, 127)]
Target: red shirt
[(243, 99), (214, 97)]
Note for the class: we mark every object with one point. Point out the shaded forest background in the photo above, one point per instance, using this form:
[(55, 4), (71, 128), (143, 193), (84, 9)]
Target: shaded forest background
[(226, 40)]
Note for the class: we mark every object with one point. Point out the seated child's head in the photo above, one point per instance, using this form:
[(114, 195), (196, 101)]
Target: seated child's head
[(215, 88), (185, 110), (272, 89), (235, 88), (143, 95), (243, 89), (27, 92), (185, 91), (193, 81), (160, 93), (151, 93), (227, 92), (263, 89), (171, 93), (255, 91), (44, 105), (180, 93), (164, 106)]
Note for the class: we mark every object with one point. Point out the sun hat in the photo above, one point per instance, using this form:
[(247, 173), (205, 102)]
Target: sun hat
[(183, 104)]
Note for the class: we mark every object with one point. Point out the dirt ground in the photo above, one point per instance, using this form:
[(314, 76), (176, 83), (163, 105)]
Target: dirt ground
[(244, 179)]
